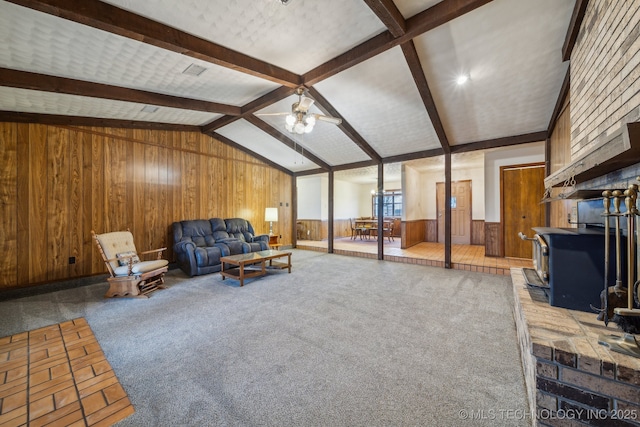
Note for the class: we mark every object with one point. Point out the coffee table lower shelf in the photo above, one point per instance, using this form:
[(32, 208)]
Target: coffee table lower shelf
[(253, 264)]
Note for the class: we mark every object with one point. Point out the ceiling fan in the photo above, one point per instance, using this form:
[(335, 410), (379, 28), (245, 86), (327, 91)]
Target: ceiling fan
[(299, 120)]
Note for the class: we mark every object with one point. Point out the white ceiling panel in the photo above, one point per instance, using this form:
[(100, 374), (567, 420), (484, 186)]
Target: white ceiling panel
[(380, 100), (326, 140), (297, 37), (514, 64), (30, 101), (245, 134), (37, 42), (408, 8)]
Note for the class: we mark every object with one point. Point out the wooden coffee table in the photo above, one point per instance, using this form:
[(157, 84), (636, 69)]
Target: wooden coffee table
[(241, 261)]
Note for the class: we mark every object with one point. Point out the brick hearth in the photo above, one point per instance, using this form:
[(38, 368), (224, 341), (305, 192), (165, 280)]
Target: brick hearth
[(569, 376)]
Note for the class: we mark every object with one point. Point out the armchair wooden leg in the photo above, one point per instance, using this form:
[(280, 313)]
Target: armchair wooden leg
[(136, 286)]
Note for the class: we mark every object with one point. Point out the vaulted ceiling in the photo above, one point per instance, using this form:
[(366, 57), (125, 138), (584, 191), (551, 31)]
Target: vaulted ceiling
[(387, 68)]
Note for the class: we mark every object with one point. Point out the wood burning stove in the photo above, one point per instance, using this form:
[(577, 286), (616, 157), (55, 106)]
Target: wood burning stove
[(571, 262)]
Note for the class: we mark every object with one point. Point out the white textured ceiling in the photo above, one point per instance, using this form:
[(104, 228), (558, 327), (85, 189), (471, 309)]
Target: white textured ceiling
[(510, 48), (513, 64), (296, 37)]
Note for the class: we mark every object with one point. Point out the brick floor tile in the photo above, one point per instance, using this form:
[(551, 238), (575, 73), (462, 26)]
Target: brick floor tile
[(15, 373), (60, 370), (57, 376), (107, 411), (114, 393), (93, 403), (12, 387), (41, 407), (115, 417), (65, 397), (58, 414), (15, 417), (50, 387), (97, 383), (14, 401)]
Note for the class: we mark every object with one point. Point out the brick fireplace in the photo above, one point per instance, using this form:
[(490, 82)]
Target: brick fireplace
[(595, 146), (570, 377)]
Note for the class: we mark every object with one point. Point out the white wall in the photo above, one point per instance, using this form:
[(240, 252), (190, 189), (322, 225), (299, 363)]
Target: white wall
[(347, 203), (493, 160), (309, 197), (413, 200)]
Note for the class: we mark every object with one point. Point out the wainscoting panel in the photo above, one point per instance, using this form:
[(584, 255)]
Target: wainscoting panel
[(432, 230), (57, 183), (477, 232), (414, 232), (493, 239)]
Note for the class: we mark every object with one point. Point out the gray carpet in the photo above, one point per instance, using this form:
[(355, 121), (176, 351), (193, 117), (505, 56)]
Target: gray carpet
[(340, 341)]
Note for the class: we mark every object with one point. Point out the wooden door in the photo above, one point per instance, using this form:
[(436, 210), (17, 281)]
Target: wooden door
[(460, 212), (522, 188)]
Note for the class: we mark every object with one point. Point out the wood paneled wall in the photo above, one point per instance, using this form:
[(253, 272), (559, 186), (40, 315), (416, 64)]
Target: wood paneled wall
[(57, 183), (493, 239), (432, 230), (477, 232), (559, 157), (413, 232), (319, 230)]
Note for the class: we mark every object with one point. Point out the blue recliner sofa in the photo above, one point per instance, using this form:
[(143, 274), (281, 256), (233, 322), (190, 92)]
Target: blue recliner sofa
[(199, 244)]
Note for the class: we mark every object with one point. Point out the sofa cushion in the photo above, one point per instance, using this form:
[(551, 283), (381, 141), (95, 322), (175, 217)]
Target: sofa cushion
[(141, 267), (239, 228), (219, 229), (207, 256), (198, 231)]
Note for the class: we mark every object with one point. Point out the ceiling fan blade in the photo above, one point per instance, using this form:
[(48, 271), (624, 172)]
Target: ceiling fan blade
[(272, 114), (328, 119), (305, 103)]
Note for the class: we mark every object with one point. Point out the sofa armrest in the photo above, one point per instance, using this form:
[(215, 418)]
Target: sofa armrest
[(185, 254), (261, 238), (224, 249)]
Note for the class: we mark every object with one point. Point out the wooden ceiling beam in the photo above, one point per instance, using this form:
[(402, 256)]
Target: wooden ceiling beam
[(309, 172), (501, 142), (356, 165), (250, 108), (274, 133), (326, 107), (413, 61), (413, 156), (118, 21), (61, 120), (424, 21), (46, 83), (562, 96), (579, 10), (388, 13)]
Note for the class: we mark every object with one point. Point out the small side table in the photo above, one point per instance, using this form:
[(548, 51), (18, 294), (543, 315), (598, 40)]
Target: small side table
[(273, 241)]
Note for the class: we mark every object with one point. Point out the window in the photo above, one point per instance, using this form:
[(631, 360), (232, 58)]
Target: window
[(391, 203)]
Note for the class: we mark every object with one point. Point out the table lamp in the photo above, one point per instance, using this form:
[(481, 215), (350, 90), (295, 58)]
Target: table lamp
[(271, 215)]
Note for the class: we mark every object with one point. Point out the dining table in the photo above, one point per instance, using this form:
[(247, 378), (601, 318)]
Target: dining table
[(367, 225)]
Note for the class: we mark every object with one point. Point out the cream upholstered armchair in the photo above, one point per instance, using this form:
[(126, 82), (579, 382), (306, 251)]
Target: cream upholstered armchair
[(129, 275)]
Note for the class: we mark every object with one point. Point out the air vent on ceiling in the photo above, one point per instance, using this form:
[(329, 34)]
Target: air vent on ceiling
[(149, 109), (194, 70)]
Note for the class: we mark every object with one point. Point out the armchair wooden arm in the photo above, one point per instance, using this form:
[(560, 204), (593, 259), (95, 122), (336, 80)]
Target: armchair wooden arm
[(159, 251)]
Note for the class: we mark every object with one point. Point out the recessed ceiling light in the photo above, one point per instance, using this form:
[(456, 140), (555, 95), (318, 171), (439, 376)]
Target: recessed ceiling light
[(462, 79), (149, 109), (194, 70)]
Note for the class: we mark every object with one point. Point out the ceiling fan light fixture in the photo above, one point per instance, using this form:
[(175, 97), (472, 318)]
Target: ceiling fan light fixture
[(290, 120), (299, 128)]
